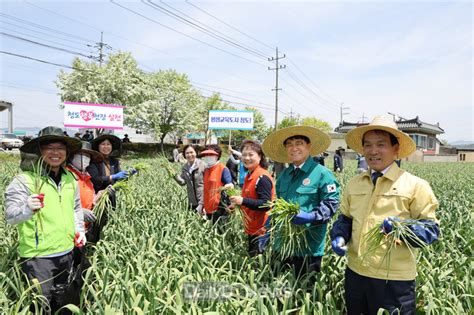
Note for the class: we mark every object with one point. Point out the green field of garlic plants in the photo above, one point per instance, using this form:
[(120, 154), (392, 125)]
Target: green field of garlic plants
[(156, 257)]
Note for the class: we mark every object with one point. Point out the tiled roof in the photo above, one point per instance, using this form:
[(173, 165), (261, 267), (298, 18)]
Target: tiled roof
[(410, 125)]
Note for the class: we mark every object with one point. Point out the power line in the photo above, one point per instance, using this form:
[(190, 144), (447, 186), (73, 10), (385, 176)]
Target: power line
[(184, 59), (40, 60), (237, 97), (34, 59), (205, 29), (58, 36), (184, 34), (54, 31), (26, 87), (312, 82), (244, 104), (306, 87), (43, 39), (45, 45), (224, 89), (232, 27)]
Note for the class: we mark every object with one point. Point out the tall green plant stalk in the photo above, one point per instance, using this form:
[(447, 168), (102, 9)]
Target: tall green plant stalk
[(39, 179), (401, 235), (292, 237)]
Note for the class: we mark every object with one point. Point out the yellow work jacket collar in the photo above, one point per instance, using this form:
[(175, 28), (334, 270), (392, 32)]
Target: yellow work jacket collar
[(392, 174)]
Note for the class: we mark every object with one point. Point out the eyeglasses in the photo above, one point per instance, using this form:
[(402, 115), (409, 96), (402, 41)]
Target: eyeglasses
[(51, 148)]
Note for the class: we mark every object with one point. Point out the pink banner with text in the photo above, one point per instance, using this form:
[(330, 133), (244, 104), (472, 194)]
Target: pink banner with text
[(85, 115)]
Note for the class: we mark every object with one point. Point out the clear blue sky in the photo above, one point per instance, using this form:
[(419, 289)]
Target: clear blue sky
[(405, 57)]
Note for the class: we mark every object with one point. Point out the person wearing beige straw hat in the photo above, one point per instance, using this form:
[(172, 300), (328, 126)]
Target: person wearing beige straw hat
[(43, 202), (381, 196), (307, 183)]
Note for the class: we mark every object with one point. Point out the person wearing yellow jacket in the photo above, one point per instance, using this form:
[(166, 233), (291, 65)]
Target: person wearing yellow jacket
[(378, 197), (46, 209)]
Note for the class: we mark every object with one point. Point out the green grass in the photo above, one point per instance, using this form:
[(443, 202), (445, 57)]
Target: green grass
[(152, 247)]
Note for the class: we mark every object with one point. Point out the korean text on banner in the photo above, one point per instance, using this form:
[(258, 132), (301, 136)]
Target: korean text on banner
[(85, 115), (231, 119)]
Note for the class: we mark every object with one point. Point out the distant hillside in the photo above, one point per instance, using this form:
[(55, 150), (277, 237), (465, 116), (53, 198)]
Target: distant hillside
[(465, 146), (461, 143)]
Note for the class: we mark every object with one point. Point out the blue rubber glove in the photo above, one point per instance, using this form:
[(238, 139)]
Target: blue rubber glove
[(120, 176), (303, 218), (387, 225), (339, 246)]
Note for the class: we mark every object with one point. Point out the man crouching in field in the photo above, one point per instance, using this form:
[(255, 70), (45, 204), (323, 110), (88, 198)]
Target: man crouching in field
[(386, 214), (44, 203)]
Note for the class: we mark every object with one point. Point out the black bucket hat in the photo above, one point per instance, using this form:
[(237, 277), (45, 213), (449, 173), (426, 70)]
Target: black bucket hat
[(51, 134), (114, 140)]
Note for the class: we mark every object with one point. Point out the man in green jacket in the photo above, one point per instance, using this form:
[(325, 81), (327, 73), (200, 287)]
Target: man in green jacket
[(307, 183), (44, 203)]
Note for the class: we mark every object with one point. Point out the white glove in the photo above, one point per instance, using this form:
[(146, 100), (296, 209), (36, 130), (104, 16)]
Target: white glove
[(200, 209), (34, 202), (89, 216), (338, 169), (80, 239)]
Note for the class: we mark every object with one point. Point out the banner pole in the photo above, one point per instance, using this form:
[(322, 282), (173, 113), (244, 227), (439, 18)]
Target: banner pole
[(230, 135)]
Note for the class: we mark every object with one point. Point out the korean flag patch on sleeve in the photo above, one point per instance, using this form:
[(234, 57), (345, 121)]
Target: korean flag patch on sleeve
[(331, 188)]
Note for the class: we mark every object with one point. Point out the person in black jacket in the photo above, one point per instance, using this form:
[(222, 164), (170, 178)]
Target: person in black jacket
[(338, 160), (105, 173)]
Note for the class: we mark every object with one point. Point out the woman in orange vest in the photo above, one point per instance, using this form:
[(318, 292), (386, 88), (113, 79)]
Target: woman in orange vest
[(77, 164), (258, 189), (216, 176)]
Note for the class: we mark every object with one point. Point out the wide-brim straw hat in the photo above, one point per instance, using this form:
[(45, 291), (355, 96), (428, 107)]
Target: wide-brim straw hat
[(114, 140), (274, 148), (51, 134), (87, 149), (406, 144)]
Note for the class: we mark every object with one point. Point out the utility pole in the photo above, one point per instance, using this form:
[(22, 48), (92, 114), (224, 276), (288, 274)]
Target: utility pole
[(100, 47), (343, 113), (276, 89), (291, 113), (363, 118)]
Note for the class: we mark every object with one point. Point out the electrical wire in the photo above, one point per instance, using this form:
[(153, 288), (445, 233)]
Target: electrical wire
[(230, 26), (184, 34), (46, 45), (54, 31), (58, 36), (46, 40), (205, 29), (42, 61), (329, 98), (183, 59), (245, 104), (239, 98), (27, 87)]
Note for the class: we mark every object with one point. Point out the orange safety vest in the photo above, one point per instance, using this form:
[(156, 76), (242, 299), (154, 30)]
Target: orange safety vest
[(86, 189), (212, 183), (255, 220)]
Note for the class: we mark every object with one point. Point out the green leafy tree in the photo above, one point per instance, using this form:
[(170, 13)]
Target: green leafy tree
[(288, 122), (307, 121), (260, 128), (174, 108), (317, 123), (118, 81)]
